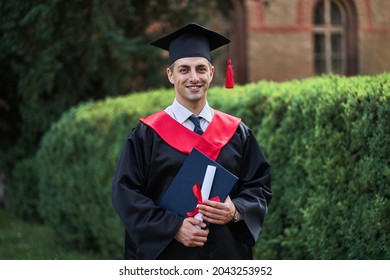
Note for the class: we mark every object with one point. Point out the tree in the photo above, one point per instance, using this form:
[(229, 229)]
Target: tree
[(55, 54)]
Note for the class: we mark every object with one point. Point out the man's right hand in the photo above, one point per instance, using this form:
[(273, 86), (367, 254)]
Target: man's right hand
[(191, 236)]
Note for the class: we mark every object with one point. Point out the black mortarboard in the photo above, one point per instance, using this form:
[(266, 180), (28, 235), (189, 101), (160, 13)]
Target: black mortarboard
[(190, 41)]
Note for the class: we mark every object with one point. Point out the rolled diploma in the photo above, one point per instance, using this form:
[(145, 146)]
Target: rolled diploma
[(206, 186)]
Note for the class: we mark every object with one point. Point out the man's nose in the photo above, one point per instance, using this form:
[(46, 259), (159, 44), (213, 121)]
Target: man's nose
[(193, 76)]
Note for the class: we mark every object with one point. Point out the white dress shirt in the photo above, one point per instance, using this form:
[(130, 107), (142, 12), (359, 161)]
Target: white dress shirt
[(181, 114)]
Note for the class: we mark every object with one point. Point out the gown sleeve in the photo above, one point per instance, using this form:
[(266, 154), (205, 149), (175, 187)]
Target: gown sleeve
[(150, 227), (253, 193)]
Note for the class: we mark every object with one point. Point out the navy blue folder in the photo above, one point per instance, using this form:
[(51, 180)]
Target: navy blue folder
[(180, 198)]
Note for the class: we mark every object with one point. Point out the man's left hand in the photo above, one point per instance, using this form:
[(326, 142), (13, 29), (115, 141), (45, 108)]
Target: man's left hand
[(219, 213)]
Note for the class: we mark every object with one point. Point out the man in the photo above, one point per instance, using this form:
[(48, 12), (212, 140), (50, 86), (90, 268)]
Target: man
[(156, 149)]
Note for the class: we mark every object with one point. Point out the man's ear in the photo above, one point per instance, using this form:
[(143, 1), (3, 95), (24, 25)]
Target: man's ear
[(211, 73), (170, 75)]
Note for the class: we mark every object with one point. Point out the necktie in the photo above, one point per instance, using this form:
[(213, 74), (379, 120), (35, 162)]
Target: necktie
[(196, 122)]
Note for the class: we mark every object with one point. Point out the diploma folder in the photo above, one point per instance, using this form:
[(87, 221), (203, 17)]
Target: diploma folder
[(180, 197)]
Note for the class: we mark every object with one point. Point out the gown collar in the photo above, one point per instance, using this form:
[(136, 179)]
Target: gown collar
[(220, 130)]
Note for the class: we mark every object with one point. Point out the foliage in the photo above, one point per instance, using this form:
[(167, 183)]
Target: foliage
[(23, 200), (330, 151), (55, 54), (326, 138)]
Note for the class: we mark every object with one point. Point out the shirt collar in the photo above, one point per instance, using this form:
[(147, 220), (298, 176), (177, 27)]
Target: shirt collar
[(181, 113)]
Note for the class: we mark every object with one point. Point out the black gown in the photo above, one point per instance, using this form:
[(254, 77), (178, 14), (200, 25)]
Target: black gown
[(146, 168)]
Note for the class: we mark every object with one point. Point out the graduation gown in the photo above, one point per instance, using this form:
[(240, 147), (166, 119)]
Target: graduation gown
[(151, 157)]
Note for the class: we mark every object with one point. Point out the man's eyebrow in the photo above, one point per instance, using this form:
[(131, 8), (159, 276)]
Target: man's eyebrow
[(187, 66)]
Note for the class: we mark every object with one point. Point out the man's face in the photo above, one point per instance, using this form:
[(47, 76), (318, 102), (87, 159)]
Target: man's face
[(191, 77)]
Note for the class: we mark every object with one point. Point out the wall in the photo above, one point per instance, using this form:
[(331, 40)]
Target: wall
[(279, 38), (374, 35)]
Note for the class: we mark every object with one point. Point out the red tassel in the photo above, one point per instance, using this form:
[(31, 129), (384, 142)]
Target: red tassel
[(229, 82)]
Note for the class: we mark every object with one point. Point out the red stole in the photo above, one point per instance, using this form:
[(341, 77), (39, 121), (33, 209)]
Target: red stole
[(220, 130)]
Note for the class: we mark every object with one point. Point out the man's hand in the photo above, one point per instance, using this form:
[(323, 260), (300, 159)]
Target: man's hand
[(219, 213), (191, 236)]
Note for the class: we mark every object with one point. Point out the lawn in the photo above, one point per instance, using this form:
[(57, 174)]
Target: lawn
[(21, 240)]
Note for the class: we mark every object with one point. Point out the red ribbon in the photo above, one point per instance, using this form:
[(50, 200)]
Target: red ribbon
[(198, 194)]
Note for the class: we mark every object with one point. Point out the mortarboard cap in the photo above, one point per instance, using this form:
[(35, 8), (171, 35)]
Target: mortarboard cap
[(190, 41), (194, 40)]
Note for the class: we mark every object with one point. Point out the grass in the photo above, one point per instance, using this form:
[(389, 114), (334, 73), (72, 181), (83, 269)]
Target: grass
[(21, 240)]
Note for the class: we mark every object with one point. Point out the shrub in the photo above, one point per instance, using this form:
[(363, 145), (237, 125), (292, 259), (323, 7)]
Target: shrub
[(326, 138), (330, 154)]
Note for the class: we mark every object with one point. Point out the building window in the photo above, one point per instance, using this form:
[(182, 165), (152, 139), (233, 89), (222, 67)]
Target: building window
[(330, 37)]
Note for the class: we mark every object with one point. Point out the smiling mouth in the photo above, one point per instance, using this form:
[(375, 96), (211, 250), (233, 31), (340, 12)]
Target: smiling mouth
[(194, 87)]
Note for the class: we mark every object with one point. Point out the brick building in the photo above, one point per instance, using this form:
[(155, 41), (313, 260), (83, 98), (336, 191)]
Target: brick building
[(290, 39)]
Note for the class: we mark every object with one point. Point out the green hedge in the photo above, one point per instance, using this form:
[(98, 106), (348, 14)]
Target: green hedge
[(327, 139)]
